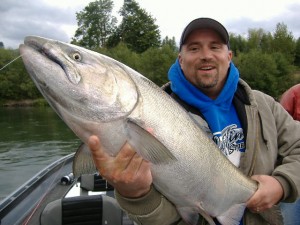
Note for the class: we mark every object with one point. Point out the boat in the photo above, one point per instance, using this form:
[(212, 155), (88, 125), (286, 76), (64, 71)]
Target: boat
[(54, 197)]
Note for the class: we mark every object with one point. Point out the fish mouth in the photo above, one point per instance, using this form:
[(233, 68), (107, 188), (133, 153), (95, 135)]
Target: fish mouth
[(41, 64), (48, 48), (41, 45)]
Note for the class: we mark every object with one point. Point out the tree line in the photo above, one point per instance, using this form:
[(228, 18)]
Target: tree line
[(268, 61)]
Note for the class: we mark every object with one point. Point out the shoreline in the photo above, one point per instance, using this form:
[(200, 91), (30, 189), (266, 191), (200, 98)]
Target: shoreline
[(24, 103)]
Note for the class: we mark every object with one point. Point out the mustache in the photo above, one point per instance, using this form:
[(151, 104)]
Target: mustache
[(205, 62)]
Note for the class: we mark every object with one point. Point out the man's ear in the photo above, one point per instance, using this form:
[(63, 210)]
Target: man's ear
[(230, 55), (180, 59)]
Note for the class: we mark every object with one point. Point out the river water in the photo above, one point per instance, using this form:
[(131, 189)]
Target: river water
[(30, 139)]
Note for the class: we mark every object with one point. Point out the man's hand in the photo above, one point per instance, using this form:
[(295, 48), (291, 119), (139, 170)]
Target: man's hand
[(269, 193), (128, 172)]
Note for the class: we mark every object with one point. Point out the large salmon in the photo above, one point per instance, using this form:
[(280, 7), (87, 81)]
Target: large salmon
[(94, 94)]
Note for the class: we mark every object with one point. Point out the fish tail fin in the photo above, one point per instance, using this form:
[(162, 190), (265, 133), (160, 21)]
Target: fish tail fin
[(233, 215)]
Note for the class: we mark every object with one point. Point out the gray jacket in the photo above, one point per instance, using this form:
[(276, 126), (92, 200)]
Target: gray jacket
[(272, 148)]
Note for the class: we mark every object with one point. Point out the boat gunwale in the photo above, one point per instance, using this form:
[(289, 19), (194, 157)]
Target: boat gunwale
[(7, 204)]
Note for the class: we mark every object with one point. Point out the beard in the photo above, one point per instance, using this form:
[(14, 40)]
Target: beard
[(203, 83)]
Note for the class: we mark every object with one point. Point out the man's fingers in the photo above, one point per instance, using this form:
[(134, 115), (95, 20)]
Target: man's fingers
[(102, 160), (126, 151), (135, 163), (94, 143), (269, 193), (95, 147), (128, 172)]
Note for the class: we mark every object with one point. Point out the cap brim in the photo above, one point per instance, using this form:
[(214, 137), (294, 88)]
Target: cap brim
[(205, 23)]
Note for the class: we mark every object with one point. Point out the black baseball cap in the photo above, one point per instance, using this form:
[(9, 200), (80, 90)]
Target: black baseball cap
[(203, 23)]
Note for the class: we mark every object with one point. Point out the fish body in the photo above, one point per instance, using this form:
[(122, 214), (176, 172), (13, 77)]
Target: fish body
[(97, 95)]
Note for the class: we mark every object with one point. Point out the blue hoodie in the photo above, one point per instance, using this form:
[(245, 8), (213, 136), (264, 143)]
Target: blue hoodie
[(219, 113)]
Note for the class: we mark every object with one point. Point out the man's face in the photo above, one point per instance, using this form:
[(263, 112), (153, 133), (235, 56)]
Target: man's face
[(205, 59)]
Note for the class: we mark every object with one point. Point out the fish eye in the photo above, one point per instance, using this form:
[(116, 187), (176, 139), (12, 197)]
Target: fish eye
[(76, 56)]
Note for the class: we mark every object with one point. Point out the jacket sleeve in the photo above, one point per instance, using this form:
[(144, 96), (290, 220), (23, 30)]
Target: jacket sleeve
[(152, 209), (289, 151), (287, 145)]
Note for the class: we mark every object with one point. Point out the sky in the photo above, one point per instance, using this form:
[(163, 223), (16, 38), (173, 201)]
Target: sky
[(56, 19)]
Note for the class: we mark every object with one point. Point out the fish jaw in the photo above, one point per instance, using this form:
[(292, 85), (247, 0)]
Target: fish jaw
[(41, 69)]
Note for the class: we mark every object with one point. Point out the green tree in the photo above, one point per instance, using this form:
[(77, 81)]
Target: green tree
[(255, 37), (270, 73), (237, 44), (266, 42), (284, 77), (155, 63), (137, 29), (95, 24), (284, 42), (259, 70), (15, 83), (170, 42), (123, 54), (297, 53)]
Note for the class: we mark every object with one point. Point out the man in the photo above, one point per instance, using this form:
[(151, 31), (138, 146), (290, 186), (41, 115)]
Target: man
[(205, 81), (290, 100)]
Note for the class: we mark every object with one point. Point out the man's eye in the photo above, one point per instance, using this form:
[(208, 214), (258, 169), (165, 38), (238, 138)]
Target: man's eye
[(215, 47), (193, 49)]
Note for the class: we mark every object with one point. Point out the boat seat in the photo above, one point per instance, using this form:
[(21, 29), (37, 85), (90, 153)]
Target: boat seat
[(94, 182), (87, 210)]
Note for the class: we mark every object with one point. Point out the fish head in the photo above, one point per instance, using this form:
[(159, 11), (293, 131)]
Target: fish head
[(80, 85)]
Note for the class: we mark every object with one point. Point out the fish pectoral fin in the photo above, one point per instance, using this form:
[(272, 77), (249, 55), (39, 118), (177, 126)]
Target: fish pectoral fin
[(149, 147), (83, 161), (233, 215), (191, 215)]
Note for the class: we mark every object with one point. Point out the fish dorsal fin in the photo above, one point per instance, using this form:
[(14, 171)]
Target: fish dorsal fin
[(148, 146)]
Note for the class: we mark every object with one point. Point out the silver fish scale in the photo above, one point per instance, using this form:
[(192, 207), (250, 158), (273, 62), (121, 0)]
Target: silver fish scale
[(201, 170)]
